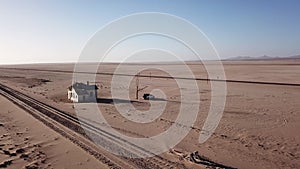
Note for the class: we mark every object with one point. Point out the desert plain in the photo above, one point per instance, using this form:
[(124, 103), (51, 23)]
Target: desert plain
[(259, 127)]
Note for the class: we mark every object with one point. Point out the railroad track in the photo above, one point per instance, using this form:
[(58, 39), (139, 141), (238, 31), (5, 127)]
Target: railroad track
[(70, 127)]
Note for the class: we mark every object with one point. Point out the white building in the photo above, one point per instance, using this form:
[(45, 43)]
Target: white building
[(80, 92)]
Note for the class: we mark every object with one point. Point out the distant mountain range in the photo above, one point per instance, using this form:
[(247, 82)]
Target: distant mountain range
[(263, 58)]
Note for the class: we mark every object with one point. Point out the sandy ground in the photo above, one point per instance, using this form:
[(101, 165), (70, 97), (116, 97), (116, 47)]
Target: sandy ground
[(259, 127), (27, 143)]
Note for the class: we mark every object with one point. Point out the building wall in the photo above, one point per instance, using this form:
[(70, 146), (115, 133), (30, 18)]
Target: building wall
[(69, 94), (90, 97), (72, 95)]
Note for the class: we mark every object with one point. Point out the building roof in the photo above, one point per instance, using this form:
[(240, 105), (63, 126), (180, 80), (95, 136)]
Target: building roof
[(82, 88)]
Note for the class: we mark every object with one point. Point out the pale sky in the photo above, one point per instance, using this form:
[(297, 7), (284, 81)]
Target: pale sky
[(35, 31)]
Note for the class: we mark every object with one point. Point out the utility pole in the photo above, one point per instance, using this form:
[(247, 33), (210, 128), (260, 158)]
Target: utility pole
[(207, 79), (137, 86)]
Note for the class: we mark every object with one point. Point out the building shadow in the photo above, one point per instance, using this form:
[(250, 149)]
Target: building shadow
[(115, 101), (158, 99)]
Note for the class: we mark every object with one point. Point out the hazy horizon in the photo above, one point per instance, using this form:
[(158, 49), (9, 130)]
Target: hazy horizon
[(56, 32)]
